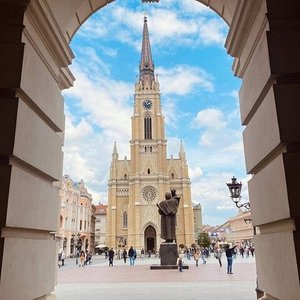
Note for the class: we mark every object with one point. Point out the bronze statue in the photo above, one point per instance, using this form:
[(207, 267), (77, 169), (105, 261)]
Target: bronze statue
[(168, 209)]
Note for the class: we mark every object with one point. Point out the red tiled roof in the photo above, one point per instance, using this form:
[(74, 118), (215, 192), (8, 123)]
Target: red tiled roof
[(100, 209)]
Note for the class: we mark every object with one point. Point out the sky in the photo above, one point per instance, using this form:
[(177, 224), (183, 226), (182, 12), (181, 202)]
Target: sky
[(199, 97)]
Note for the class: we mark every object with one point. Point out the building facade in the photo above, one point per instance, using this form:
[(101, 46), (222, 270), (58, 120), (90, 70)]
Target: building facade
[(77, 219), (135, 186), (100, 224), (237, 230)]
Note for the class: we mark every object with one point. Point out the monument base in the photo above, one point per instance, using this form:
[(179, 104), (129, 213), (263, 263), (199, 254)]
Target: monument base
[(168, 257), (168, 254), (167, 267)]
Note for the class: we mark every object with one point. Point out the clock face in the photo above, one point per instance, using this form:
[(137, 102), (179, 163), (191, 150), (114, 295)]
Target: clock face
[(147, 104)]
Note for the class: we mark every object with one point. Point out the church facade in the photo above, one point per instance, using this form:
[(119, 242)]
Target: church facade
[(135, 186)]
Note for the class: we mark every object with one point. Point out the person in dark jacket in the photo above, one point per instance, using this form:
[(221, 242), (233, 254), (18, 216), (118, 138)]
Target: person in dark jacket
[(124, 255), (229, 253), (111, 255), (132, 255)]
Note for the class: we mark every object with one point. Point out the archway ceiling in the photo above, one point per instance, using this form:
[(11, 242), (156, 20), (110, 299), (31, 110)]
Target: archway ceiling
[(71, 14)]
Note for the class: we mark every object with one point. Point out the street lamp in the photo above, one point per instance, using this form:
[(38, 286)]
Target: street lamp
[(235, 189), (77, 246)]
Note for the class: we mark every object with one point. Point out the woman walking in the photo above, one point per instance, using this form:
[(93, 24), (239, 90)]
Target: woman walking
[(218, 255), (197, 256)]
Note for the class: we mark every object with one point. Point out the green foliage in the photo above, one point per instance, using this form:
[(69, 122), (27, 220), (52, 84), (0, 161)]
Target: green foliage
[(203, 239)]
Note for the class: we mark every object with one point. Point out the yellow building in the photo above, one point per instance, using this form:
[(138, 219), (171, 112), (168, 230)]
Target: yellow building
[(136, 185)]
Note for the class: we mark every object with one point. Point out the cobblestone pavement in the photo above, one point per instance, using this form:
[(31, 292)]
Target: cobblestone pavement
[(208, 281)]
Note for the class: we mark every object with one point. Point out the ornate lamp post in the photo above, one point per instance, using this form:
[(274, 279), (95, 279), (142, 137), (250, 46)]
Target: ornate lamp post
[(77, 246), (235, 189)]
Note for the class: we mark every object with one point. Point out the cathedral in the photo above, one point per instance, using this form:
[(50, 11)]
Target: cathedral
[(135, 186)]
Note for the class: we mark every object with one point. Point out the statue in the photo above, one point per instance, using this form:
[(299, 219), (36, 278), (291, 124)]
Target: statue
[(168, 209)]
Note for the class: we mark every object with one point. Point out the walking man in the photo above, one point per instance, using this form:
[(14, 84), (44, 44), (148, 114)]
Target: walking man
[(111, 255), (229, 254), (131, 254), (63, 256)]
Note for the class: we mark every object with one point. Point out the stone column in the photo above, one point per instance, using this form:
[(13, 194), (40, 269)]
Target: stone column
[(31, 124), (264, 36)]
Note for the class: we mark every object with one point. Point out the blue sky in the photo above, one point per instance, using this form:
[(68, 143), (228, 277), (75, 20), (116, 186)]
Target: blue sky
[(199, 97)]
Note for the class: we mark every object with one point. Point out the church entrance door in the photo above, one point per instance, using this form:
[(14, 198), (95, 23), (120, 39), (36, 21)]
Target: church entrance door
[(150, 238)]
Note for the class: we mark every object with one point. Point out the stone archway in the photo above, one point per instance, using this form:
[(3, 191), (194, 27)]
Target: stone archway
[(150, 238), (34, 60)]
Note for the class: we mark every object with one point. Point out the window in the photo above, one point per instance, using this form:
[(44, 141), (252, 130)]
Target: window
[(125, 176), (148, 128), (172, 175), (148, 171), (125, 219)]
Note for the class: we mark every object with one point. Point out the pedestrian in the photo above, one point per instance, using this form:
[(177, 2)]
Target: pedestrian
[(142, 253), (124, 254), (203, 255), (218, 255), (180, 261), (242, 250), (132, 255), (111, 254), (63, 256), (149, 253), (82, 259), (188, 253), (90, 258), (229, 254), (59, 259), (197, 256), (86, 257)]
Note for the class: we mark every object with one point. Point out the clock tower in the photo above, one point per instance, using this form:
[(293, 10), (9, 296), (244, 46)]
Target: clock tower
[(136, 185)]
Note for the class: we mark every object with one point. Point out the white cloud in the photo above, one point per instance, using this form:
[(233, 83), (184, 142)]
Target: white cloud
[(210, 118), (183, 79), (193, 24), (195, 173)]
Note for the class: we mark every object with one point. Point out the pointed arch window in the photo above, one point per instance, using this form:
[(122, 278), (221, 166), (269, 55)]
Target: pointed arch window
[(172, 175), (148, 171), (125, 219), (148, 127)]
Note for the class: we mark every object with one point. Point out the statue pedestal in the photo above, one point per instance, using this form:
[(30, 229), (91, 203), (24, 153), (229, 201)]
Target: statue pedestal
[(168, 254), (168, 257)]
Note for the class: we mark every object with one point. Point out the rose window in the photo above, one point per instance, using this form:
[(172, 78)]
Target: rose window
[(149, 193)]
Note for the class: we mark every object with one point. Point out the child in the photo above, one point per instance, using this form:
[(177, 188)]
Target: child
[(179, 263)]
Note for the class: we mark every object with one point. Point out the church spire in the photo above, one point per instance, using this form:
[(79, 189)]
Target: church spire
[(146, 64), (181, 151), (115, 155)]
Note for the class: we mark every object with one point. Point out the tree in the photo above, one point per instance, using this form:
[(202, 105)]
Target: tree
[(203, 239)]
